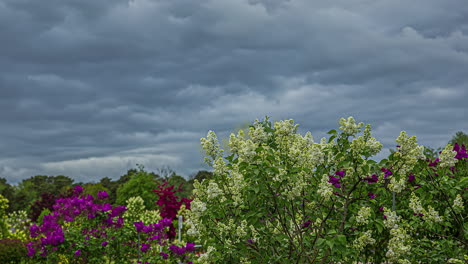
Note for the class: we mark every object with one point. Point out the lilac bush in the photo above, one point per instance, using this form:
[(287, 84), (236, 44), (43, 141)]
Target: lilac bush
[(280, 197)]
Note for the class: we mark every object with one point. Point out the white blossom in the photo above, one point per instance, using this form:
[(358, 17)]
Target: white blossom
[(349, 126), (324, 189), (447, 157), (363, 215), (458, 204)]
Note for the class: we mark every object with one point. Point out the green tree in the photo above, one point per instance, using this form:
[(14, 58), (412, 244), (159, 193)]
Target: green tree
[(459, 138), (29, 190), (140, 184), (201, 175), (3, 207), (180, 182), (94, 188), (7, 191)]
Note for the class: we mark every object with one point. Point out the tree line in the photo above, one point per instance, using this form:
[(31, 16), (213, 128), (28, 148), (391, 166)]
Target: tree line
[(36, 195)]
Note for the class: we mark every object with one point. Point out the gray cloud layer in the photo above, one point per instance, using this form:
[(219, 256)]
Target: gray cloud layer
[(90, 88)]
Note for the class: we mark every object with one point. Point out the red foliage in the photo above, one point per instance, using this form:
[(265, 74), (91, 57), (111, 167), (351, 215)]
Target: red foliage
[(170, 203)]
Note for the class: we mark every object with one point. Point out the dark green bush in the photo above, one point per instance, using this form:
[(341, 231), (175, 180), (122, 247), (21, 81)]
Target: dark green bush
[(12, 250)]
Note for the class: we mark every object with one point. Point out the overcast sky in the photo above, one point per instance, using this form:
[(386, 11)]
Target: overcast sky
[(90, 88)]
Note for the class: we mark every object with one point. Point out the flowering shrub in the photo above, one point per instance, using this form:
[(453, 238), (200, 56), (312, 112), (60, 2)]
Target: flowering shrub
[(83, 229), (18, 223), (170, 204), (280, 197)]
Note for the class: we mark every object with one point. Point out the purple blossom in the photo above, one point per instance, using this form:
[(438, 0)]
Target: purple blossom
[(190, 247), (340, 173), (461, 152), (102, 195), (372, 179), (34, 230), (105, 243), (434, 163), (78, 189), (145, 247), (163, 255), (306, 224), (411, 178), (117, 211), (31, 249), (386, 172), (77, 253), (333, 180), (177, 250), (371, 195)]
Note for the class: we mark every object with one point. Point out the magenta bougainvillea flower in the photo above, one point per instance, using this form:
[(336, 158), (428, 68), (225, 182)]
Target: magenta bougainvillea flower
[(102, 195)]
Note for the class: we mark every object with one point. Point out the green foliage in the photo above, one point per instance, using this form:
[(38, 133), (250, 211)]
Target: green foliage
[(94, 188), (6, 189), (140, 184), (29, 190), (12, 251), (459, 138), (3, 226), (177, 181)]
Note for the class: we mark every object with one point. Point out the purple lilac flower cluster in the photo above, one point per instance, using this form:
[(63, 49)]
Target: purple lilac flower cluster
[(336, 180)]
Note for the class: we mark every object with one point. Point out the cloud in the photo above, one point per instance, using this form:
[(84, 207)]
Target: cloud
[(88, 85)]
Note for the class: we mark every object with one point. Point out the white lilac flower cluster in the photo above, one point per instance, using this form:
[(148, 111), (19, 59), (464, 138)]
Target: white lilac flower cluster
[(399, 243), (257, 133), (211, 146), (207, 257), (349, 126), (409, 151), (364, 240), (213, 191), (391, 219), (362, 217), (303, 150), (429, 215), (232, 232), (324, 189), (366, 143), (137, 211), (447, 157), (458, 204), (193, 219), (284, 129), (197, 207), (397, 186)]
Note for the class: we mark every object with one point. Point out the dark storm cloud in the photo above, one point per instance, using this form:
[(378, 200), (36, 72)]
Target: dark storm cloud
[(90, 88)]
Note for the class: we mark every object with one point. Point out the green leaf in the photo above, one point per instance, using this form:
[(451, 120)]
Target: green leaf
[(333, 131), (341, 240), (330, 244), (320, 242)]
